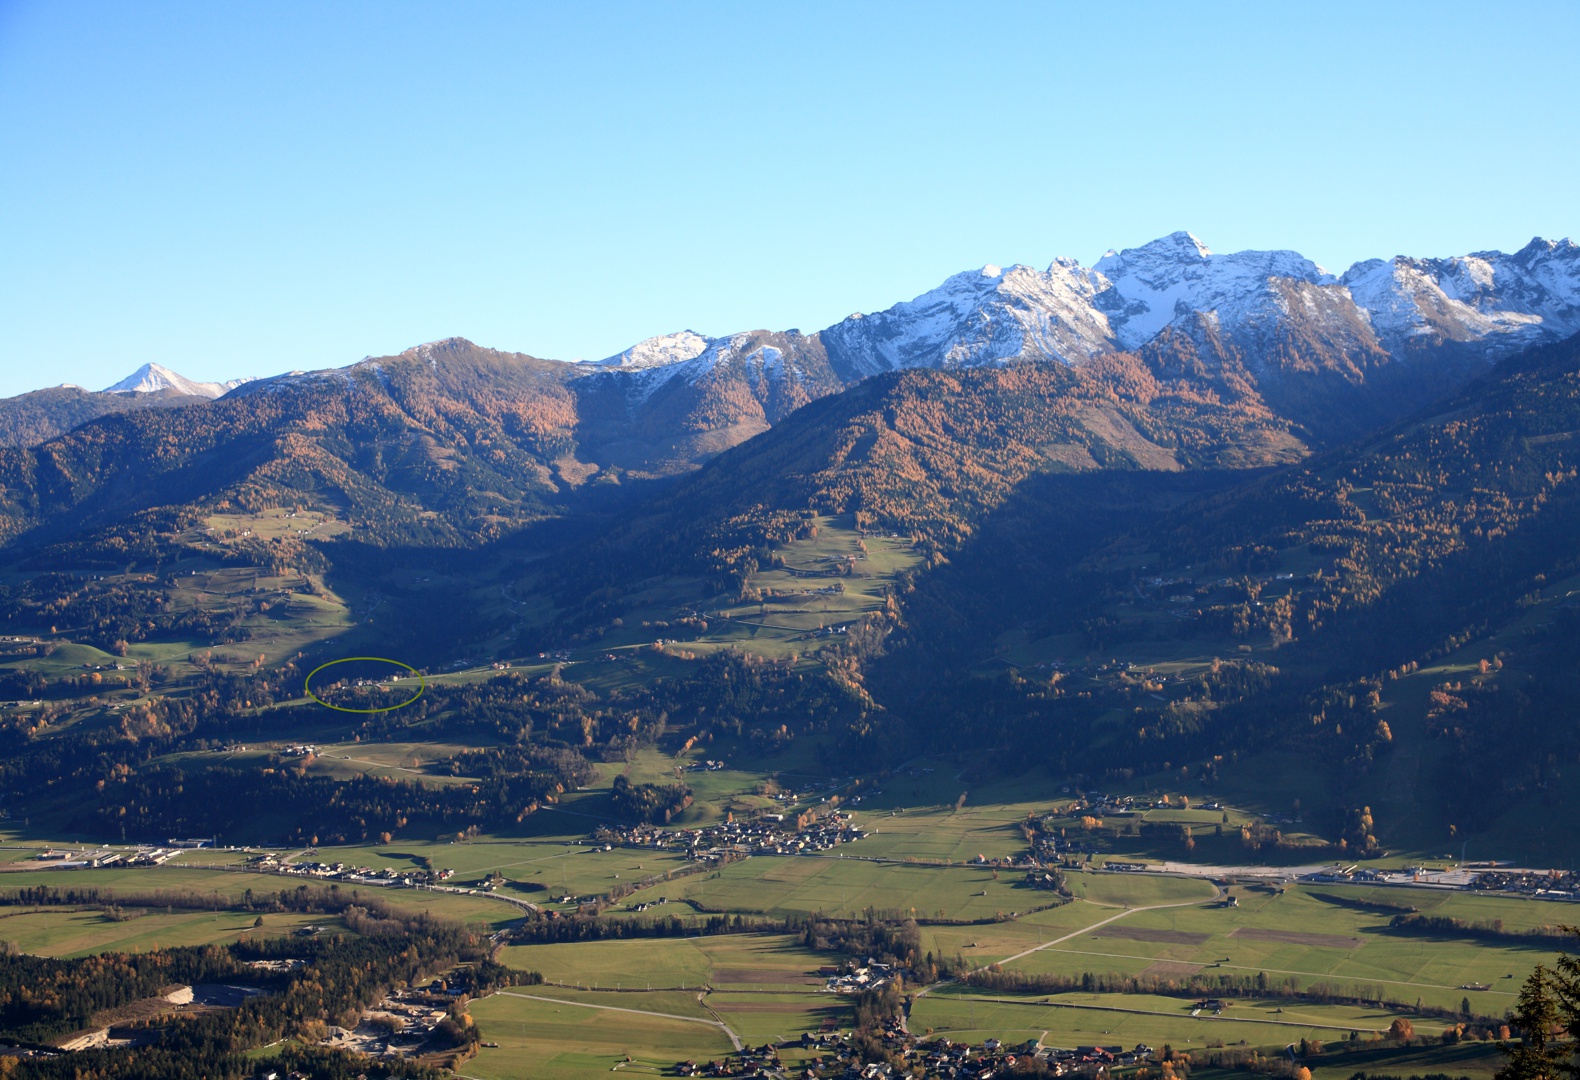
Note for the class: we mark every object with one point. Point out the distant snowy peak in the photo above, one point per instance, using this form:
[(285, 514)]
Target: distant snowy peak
[(1504, 302), (659, 351), (761, 357), (156, 379)]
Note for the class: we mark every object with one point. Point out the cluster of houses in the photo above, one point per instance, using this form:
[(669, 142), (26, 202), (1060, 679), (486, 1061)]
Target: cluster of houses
[(747, 1061), (766, 835), (935, 1057), (959, 1061), (1548, 884), (358, 875)]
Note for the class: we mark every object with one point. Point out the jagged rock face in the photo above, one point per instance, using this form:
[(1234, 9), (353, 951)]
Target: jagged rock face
[(1254, 299), (1178, 276), (1498, 302), (979, 317)]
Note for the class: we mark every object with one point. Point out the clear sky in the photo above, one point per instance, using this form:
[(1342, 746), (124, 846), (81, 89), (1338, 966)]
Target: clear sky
[(245, 188)]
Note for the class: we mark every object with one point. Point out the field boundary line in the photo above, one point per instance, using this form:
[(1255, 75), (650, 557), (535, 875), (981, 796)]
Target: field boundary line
[(720, 1024), (702, 999), (1217, 892)]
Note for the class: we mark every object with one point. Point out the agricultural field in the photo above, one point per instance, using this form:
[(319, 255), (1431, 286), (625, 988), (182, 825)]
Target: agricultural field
[(1127, 1019), (1294, 933), (832, 885), (1297, 935), (114, 883), (562, 865), (68, 932), (932, 835), (560, 1041), (730, 961)]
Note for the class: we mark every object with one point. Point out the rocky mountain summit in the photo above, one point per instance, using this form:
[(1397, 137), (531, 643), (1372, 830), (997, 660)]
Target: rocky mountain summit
[(157, 379)]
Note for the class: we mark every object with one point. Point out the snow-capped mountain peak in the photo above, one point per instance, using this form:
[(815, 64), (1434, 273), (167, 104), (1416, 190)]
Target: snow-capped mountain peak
[(1500, 302), (1178, 274), (155, 378), (658, 351), (981, 316)]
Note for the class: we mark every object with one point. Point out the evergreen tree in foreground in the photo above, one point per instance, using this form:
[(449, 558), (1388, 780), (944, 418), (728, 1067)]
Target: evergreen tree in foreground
[(1548, 1018)]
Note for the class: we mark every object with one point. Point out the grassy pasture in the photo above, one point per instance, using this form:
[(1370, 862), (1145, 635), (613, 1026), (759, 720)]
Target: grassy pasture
[(1079, 1019), (124, 882), (394, 761), (538, 1039), (67, 932), (684, 1003), (1296, 934), (1138, 890), (770, 1017), (1477, 1060), (810, 885), (735, 961), (564, 1038), (560, 865)]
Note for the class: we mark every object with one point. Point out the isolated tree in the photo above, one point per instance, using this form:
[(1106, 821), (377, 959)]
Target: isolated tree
[(1536, 1056)]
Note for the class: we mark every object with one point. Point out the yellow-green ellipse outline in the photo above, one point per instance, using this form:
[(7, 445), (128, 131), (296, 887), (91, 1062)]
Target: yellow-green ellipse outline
[(422, 684)]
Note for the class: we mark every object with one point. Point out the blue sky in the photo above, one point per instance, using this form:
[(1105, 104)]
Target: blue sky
[(244, 188)]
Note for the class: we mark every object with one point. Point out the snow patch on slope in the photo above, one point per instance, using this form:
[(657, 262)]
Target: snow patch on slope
[(745, 351)]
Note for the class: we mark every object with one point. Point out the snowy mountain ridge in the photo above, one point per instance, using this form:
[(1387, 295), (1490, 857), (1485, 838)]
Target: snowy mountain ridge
[(1489, 301), (155, 378), (1485, 303)]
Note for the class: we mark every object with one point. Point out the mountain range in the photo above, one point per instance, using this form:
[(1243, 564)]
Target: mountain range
[(1271, 323)]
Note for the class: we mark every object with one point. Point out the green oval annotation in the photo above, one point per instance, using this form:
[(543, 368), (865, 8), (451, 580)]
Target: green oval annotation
[(422, 684)]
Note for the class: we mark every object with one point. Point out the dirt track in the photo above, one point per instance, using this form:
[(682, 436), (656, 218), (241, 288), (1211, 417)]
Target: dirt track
[(1293, 937), (1166, 937)]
